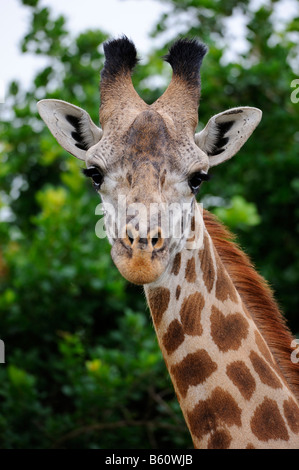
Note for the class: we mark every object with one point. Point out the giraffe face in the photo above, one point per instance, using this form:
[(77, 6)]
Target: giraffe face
[(147, 193), (146, 161)]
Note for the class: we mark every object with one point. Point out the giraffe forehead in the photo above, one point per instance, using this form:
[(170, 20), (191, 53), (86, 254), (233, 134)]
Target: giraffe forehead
[(148, 141), (150, 144), (154, 139)]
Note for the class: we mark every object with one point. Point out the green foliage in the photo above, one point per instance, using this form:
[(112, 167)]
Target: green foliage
[(239, 214), (83, 369)]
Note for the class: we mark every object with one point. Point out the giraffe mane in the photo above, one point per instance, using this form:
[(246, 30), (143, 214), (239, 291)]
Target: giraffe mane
[(257, 297)]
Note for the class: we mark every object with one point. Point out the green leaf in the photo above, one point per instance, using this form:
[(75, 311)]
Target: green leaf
[(239, 214)]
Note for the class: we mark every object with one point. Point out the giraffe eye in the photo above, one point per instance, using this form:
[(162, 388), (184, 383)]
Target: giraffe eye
[(96, 176), (196, 179)]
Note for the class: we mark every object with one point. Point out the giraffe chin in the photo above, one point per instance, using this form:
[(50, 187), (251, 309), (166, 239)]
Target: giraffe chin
[(138, 266)]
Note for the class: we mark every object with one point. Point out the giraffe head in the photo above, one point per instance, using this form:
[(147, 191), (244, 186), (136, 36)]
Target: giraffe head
[(146, 161)]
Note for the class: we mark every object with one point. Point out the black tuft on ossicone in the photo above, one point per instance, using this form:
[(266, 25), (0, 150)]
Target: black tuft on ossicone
[(120, 56), (185, 57)]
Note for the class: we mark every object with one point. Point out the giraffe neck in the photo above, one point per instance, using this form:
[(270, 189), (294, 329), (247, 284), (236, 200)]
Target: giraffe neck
[(230, 389)]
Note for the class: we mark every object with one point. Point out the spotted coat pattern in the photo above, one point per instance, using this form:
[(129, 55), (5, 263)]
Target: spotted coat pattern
[(228, 384)]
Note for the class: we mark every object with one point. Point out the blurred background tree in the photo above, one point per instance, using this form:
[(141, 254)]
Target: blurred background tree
[(83, 366)]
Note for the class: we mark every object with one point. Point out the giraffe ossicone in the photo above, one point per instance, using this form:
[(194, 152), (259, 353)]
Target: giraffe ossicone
[(224, 341)]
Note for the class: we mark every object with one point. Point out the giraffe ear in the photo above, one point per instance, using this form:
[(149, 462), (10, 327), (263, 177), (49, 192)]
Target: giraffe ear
[(226, 132), (71, 126)]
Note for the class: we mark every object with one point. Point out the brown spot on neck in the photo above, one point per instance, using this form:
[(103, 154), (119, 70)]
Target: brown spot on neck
[(242, 378), (220, 440), (216, 413), (207, 266), (173, 337), (228, 331), (263, 347), (191, 237), (178, 292), (190, 314), (158, 299), (192, 225), (267, 422), (266, 374), (194, 369), (224, 286), (250, 446), (176, 264), (190, 273)]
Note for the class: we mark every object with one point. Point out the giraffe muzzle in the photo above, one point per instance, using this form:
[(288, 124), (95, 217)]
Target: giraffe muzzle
[(141, 258)]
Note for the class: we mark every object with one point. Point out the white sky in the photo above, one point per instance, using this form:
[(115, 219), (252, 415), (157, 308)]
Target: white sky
[(135, 18)]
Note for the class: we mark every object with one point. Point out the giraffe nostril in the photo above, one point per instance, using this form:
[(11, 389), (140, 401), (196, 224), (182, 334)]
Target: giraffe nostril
[(155, 241), (130, 236)]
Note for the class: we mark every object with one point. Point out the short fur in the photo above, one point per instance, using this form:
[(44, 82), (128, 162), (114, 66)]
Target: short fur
[(258, 299)]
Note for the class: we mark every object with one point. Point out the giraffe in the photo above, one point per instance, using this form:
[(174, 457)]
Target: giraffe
[(224, 341)]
